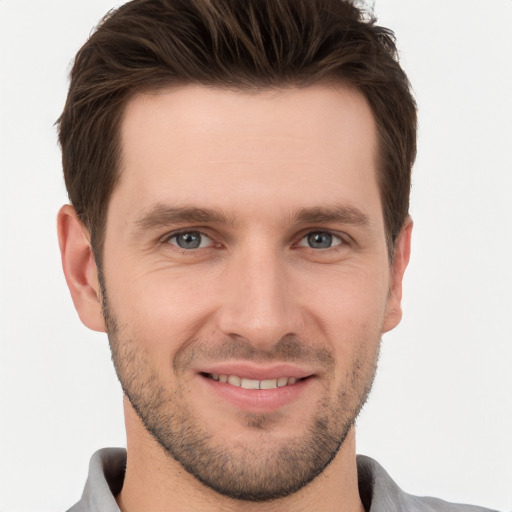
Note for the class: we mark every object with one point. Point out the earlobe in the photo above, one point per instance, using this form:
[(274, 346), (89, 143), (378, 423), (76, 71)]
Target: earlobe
[(80, 268), (402, 252)]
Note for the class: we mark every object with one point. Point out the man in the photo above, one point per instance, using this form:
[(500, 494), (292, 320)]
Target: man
[(239, 174)]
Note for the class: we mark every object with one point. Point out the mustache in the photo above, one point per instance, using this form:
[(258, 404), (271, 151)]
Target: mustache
[(287, 349)]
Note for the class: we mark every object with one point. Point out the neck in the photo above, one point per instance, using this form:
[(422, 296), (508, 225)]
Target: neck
[(155, 481)]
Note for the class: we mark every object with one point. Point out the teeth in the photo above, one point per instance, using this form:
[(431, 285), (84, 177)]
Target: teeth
[(268, 384), (250, 384), (282, 381), (234, 380), (240, 382)]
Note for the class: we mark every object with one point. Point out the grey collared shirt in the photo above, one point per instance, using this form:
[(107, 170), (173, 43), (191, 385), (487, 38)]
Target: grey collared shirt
[(378, 491)]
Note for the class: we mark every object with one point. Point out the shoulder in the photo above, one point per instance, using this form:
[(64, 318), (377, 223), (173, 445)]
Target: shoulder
[(380, 493)]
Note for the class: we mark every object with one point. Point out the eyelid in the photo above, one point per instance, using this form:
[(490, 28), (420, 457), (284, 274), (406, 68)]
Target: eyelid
[(343, 238), (166, 239)]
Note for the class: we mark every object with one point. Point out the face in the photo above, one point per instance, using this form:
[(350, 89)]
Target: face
[(246, 281)]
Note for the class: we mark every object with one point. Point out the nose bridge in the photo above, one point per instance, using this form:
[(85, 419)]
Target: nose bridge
[(258, 305)]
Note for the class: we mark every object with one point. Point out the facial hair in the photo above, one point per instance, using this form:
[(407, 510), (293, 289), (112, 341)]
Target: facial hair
[(253, 471)]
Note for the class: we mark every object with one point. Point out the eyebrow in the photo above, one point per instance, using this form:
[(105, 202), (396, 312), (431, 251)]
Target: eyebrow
[(161, 215), (339, 214)]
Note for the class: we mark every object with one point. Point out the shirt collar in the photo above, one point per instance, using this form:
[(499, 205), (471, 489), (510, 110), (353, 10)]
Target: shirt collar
[(379, 493)]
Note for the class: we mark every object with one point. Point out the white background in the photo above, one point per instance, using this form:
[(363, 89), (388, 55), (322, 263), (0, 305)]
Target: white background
[(439, 419)]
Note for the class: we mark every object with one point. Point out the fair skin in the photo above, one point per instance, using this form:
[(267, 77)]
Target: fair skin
[(245, 238)]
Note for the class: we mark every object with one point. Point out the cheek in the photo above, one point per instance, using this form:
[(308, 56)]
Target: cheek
[(347, 301), (349, 316), (162, 308), (167, 307)]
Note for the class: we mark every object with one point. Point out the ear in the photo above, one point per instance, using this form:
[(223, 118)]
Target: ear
[(402, 252), (80, 268)]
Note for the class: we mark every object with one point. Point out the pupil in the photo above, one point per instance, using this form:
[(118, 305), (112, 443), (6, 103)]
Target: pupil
[(320, 240), (189, 240)]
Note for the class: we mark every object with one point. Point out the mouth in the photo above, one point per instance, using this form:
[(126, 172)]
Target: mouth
[(254, 384), (257, 390)]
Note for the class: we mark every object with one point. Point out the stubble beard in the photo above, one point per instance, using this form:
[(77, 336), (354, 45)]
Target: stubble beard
[(257, 471)]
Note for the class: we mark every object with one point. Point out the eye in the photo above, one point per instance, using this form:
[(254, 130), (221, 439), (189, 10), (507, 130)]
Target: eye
[(320, 240), (189, 240)]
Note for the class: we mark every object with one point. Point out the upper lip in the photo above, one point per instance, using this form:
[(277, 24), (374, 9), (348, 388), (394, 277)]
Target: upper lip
[(257, 372)]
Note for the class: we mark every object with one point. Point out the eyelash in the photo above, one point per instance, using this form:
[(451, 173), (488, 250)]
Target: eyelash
[(320, 232), (343, 240), (167, 239)]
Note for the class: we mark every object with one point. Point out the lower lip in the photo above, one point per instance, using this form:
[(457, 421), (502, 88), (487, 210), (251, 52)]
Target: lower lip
[(257, 400)]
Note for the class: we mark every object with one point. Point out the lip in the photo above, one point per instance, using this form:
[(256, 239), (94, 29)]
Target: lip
[(251, 371), (256, 400)]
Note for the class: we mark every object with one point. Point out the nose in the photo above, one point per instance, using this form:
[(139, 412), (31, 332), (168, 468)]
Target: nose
[(258, 302)]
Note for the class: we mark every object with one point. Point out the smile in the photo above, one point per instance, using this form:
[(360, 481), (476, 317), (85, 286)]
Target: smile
[(245, 383), (256, 389)]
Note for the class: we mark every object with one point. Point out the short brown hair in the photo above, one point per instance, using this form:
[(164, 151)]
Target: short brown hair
[(235, 44)]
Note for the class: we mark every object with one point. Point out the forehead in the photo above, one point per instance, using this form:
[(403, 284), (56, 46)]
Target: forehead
[(247, 151)]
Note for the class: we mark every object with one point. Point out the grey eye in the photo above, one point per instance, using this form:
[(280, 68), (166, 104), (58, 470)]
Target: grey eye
[(320, 240), (190, 240)]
